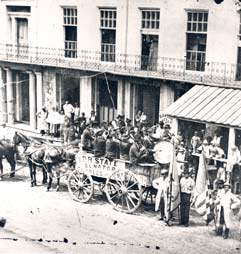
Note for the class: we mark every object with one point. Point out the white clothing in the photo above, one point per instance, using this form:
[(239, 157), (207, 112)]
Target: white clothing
[(187, 185), (233, 159), (161, 185), (68, 110), (226, 200)]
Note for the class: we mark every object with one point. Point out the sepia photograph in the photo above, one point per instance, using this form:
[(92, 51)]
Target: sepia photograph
[(120, 126)]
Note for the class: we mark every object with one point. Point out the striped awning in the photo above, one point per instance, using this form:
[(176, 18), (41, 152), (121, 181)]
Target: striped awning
[(210, 105)]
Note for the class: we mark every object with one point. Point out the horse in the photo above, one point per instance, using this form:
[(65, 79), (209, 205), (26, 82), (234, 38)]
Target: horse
[(7, 150), (47, 156), (34, 153)]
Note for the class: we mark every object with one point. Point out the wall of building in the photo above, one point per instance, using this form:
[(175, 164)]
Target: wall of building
[(46, 30)]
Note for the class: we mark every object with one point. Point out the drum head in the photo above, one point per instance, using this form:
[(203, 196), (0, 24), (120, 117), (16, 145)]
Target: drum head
[(163, 152)]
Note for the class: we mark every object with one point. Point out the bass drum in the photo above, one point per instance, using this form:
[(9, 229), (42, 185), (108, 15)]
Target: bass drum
[(163, 152)]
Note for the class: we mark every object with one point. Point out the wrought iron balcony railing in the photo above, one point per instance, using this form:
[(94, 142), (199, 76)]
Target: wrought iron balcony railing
[(142, 66)]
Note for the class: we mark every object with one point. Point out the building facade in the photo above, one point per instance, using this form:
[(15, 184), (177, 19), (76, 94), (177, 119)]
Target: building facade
[(114, 57)]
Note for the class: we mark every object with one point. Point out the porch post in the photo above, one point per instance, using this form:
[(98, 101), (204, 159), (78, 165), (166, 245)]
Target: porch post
[(10, 109), (32, 100), (39, 89), (127, 100), (166, 97), (2, 97), (174, 126), (120, 97), (231, 140), (85, 95)]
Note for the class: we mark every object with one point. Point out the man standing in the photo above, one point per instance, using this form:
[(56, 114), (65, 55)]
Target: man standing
[(226, 202), (161, 184), (68, 110), (187, 186), (195, 142)]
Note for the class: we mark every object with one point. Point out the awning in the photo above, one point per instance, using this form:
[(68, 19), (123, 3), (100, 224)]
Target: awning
[(209, 104)]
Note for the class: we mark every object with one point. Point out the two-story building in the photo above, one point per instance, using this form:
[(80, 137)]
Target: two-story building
[(114, 57)]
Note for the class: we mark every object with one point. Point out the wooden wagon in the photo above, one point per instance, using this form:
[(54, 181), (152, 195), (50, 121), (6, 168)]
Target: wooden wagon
[(123, 182)]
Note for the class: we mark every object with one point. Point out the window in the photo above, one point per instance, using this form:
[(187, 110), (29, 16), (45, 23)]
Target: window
[(150, 19), (108, 18), (108, 34), (70, 26), (197, 25)]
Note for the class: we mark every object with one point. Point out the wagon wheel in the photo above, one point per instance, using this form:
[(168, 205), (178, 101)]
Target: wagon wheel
[(80, 186), (123, 191)]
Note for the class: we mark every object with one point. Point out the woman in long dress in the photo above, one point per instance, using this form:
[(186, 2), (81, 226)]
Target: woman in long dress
[(42, 124)]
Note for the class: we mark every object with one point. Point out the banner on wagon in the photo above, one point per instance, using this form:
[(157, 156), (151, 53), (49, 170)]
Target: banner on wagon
[(100, 167)]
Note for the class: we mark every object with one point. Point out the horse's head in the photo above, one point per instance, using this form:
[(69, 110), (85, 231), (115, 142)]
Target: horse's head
[(19, 138)]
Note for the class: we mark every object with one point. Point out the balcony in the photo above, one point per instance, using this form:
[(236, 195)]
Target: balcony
[(220, 74)]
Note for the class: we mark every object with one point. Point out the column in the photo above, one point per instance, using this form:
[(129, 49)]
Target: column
[(18, 99), (1, 96), (231, 140), (32, 100), (127, 100), (174, 126), (14, 33), (166, 97), (120, 98), (39, 89), (10, 109), (85, 95)]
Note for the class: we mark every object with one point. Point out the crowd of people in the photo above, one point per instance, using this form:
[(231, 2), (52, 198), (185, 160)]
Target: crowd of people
[(135, 142)]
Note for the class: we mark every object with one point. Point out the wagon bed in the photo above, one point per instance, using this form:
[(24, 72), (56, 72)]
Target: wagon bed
[(123, 182)]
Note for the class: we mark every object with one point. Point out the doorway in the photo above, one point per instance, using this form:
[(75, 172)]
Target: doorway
[(149, 52), (22, 36), (107, 100)]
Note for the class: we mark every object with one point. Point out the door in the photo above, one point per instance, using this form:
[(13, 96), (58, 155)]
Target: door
[(22, 37), (107, 100), (149, 52)]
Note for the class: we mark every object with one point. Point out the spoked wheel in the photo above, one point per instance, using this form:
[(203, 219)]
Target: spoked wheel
[(123, 191), (80, 186)]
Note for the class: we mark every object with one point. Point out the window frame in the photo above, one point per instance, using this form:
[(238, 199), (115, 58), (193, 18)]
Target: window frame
[(192, 56), (150, 19)]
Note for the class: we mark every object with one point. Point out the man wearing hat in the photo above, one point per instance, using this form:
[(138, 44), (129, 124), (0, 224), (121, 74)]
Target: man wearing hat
[(87, 138), (124, 146), (93, 117), (99, 144), (187, 186), (161, 184), (128, 124), (225, 202), (112, 147), (137, 153), (166, 134)]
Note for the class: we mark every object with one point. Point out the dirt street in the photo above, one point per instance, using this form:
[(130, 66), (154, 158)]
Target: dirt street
[(50, 222)]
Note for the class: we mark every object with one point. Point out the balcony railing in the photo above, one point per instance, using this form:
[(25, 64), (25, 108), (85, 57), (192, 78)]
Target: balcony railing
[(142, 66)]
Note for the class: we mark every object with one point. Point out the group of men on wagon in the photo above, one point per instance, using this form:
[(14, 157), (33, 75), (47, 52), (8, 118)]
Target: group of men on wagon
[(121, 140)]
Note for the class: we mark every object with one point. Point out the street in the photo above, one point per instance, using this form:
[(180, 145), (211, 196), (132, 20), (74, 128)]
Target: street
[(50, 222)]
